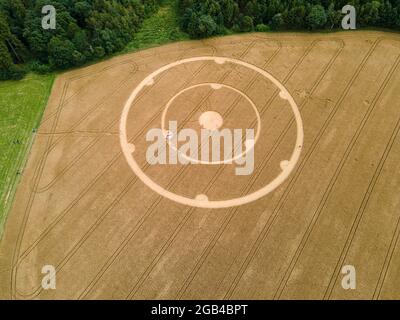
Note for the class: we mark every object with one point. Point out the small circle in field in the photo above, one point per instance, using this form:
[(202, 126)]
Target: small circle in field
[(220, 60), (201, 197), (132, 148), (284, 164), (283, 95), (216, 86), (211, 120), (150, 82)]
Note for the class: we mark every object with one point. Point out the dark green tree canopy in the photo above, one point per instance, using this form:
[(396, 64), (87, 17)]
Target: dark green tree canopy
[(247, 15), (85, 30)]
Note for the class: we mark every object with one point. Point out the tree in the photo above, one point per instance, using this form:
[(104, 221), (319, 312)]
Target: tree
[(277, 21), (86, 29), (317, 17), (287, 14), (296, 17), (370, 13), (10, 50), (246, 24), (334, 17), (61, 53), (202, 26)]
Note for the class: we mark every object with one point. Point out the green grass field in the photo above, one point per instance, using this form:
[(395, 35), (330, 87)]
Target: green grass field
[(160, 28), (22, 103), (21, 107)]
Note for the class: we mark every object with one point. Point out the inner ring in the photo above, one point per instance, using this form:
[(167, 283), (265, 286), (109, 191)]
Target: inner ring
[(214, 86)]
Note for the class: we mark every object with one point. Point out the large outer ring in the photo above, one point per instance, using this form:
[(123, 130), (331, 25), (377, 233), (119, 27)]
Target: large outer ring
[(243, 95), (201, 203)]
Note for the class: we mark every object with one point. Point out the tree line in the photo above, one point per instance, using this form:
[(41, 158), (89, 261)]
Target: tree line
[(91, 29), (85, 30), (203, 18)]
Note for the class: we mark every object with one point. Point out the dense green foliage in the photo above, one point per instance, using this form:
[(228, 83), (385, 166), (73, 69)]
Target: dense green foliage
[(85, 30), (160, 28), (202, 18)]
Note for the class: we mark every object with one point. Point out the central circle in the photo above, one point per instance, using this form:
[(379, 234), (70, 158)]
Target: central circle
[(211, 120)]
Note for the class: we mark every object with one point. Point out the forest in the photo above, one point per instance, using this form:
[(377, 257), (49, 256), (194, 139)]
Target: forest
[(88, 30), (204, 18)]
